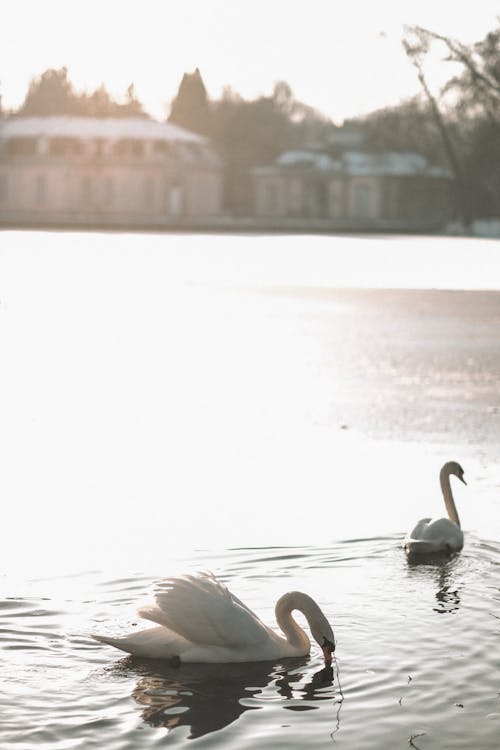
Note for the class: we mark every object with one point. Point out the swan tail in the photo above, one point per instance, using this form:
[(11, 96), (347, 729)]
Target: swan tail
[(153, 643), (107, 640)]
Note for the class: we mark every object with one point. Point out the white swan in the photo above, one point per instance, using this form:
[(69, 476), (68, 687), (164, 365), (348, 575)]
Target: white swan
[(443, 534), (200, 620)]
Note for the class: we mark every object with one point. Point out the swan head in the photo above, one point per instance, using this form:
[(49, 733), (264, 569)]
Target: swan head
[(323, 635), (328, 648), (452, 467)]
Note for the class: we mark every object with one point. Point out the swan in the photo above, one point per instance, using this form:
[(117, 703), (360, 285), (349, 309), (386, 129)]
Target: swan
[(201, 621), (443, 534)]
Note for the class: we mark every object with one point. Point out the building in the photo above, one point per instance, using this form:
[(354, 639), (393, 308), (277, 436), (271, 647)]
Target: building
[(88, 171), (353, 190)]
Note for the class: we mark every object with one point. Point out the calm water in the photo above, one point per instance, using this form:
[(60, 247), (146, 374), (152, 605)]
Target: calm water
[(275, 409)]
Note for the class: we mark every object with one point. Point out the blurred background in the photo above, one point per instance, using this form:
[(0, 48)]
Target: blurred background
[(372, 118)]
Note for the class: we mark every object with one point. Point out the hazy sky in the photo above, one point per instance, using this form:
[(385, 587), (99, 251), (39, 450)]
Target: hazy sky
[(344, 58)]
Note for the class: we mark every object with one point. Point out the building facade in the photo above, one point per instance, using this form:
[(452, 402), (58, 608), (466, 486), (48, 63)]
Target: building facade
[(354, 189), (106, 171)]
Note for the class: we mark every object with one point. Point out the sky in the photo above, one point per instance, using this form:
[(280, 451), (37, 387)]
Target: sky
[(342, 58)]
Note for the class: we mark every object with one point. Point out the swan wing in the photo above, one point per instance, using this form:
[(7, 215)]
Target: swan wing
[(434, 536), (419, 531), (202, 610), (442, 530)]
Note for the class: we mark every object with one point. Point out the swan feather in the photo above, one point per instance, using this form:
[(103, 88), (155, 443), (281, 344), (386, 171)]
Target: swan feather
[(203, 611)]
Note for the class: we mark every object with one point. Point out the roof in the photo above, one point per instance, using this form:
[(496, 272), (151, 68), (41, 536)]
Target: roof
[(402, 163), (355, 164), (306, 158), (110, 128)]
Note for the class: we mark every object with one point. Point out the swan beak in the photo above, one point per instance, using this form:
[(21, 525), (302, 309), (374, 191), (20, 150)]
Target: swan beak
[(462, 480), (328, 648)]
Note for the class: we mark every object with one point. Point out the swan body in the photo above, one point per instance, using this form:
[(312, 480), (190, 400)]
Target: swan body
[(200, 621), (443, 534)]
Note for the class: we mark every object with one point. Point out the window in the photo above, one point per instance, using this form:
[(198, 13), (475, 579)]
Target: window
[(40, 190), (108, 191), (175, 199), (271, 198), (295, 196), (86, 190), (22, 147), (202, 196), (98, 148), (362, 201), (149, 193), (137, 147), (4, 192), (335, 198), (194, 151), (64, 146), (162, 148), (128, 147)]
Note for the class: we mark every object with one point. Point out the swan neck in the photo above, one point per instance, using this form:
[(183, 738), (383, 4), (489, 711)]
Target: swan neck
[(294, 634), (444, 480)]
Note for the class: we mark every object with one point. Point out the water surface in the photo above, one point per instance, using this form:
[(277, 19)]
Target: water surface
[(275, 409)]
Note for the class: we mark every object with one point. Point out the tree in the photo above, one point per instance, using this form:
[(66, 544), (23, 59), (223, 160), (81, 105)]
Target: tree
[(416, 46), (408, 126), (190, 108), (132, 106), (479, 83), (51, 93), (101, 104), (253, 133), (471, 125)]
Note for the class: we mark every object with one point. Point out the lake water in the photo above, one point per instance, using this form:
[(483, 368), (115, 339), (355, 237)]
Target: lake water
[(275, 409)]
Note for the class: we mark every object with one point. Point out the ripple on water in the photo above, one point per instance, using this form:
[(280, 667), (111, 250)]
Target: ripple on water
[(417, 651)]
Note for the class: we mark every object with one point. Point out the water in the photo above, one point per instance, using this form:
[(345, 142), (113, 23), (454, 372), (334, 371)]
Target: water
[(265, 408)]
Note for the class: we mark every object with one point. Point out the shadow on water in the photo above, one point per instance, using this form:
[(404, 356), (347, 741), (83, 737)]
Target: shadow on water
[(441, 570), (209, 697)]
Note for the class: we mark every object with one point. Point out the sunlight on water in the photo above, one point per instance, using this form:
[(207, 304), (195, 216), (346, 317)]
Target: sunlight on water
[(267, 408), (148, 409)]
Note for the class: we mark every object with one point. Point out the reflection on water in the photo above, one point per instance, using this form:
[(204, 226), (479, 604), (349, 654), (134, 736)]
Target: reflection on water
[(448, 600), (405, 668), (441, 570), (207, 697), (448, 593)]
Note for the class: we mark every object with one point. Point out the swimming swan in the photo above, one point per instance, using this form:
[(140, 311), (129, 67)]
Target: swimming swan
[(444, 534), (200, 620)]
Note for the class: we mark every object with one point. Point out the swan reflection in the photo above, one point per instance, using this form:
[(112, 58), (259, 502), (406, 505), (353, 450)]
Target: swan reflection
[(447, 595), (209, 697), (441, 573)]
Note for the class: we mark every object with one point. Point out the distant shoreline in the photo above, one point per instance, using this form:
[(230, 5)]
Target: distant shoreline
[(229, 225)]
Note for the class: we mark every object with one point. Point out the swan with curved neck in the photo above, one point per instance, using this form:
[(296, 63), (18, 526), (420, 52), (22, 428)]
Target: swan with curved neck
[(443, 534), (201, 621)]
